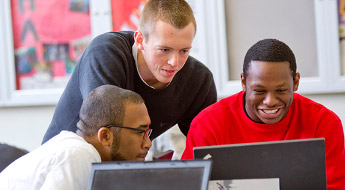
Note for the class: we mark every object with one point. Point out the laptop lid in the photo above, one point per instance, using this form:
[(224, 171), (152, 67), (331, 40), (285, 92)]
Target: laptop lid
[(299, 164), (153, 175)]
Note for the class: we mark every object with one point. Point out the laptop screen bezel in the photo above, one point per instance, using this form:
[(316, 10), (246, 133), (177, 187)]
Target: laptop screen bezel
[(157, 164)]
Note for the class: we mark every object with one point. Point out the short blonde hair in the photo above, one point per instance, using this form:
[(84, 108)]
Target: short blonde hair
[(175, 12)]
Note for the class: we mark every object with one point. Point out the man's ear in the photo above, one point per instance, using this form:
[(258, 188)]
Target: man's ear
[(139, 39), (105, 136), (296, 82), (243, 82)]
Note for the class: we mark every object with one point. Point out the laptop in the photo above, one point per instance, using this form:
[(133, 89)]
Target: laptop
[(153, 175), (299, 164)]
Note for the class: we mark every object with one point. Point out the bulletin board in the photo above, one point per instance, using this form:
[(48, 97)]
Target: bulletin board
[(49, 36)]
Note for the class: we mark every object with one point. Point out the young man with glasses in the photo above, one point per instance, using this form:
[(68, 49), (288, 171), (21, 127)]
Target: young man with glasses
[(113, 126)]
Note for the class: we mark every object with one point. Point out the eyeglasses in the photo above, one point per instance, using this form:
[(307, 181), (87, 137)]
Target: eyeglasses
[(146, 132)]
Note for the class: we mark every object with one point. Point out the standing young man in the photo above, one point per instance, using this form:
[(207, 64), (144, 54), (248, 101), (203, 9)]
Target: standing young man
[(154, 62), (114, 126), (268, 109)]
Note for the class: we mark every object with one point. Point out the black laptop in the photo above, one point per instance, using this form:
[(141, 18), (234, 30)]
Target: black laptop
[(152, 175), (299, 164)]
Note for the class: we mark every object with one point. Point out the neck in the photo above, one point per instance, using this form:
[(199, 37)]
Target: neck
[(156, 84), (93, 140)]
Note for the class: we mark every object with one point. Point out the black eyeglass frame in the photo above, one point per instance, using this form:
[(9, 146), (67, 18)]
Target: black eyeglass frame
[(146, 132)]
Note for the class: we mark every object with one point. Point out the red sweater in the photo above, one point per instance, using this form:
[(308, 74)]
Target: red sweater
[(226, 122)]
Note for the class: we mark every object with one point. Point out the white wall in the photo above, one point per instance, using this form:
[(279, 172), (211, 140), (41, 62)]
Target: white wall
[(25, 126)]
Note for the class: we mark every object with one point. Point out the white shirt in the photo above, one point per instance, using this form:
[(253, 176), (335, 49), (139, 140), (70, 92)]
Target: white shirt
[(64, 162)]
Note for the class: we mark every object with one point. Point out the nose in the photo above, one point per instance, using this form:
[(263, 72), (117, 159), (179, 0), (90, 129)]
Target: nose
[(270, 100), (147, 143), (174, 60)]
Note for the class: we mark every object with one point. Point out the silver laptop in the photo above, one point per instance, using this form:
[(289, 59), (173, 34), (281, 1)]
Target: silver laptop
[(299, 164), (153, 175)]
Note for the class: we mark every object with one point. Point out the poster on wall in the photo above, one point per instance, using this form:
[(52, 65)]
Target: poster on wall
[(126, 14), (48, 37)]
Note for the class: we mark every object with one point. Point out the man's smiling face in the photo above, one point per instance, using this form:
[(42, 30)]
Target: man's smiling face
[(269, 89)]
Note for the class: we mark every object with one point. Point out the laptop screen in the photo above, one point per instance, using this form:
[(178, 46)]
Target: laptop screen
[(153, 175), (299, 164)]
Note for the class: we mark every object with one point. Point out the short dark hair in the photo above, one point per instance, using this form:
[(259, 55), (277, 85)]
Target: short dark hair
[(269, 50), (103, 106)]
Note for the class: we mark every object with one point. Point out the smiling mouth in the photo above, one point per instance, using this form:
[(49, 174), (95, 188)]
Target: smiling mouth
[(271, 111)]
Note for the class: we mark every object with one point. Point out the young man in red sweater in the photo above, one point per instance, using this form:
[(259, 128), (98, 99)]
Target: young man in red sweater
[(268, 109)]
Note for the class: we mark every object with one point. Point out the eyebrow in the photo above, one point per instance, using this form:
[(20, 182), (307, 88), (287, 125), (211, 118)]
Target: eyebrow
[(189, 47), (143, 126), (167, 47), (261, 86)]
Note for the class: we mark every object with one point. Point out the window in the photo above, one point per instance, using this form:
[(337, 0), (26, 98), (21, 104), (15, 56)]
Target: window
[(311, 30)]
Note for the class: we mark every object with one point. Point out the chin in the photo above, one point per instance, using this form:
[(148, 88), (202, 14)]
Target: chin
[(271, 121), (165, 81)]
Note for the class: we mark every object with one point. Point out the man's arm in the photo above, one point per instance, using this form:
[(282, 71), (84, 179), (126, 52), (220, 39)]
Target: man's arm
[(332, 130), (104, 63), (206, 96)]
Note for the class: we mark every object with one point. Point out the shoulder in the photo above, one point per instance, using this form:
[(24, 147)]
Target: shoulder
[(72, 146), (109, 55), (70, 165), (305, 103), (112, 40), (111, 37), (313, 108)]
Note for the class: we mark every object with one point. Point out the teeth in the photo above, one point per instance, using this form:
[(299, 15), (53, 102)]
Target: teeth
[(270, 111)]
